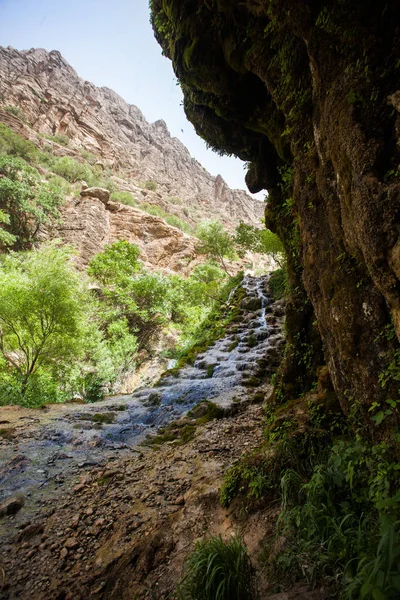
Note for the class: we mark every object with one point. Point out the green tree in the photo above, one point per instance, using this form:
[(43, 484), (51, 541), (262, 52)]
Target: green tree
[(118, 262), (26, 200), (130, 292), (216, 243), (261, 241), (43, 312)]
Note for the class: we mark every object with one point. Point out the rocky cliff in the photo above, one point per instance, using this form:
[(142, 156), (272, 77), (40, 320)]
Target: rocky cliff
[(308, 93), (53, 100), (88, 224)]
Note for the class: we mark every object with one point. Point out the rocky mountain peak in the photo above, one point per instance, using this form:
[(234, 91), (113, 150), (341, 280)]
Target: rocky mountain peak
[(54, 100)]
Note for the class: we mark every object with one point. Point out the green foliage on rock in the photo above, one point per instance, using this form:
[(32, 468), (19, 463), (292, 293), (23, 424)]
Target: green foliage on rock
[(218, 570), (173, 220), (59, 138), (72, 170), (14, 145), (27, 201), (124, 198), (150, 185)]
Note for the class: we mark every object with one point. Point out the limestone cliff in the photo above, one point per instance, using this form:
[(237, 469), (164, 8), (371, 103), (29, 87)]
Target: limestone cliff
[(54, 100), (88, 224), (308, 93)]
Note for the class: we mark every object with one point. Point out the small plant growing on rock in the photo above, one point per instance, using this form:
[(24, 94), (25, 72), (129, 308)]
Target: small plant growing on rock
[(150, 185), (123, 198), (218, 570), (14, 110)]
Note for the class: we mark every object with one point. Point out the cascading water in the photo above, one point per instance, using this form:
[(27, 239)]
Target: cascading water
[(77, 435)]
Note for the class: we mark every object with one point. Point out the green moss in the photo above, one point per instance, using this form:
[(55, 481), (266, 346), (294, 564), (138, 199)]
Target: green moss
[(234, 344), (278, 283), (183, 431), (210, 370), (7, 433), (104, 418)]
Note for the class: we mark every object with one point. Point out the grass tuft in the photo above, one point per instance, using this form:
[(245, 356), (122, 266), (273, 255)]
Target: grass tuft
[(218, 570)]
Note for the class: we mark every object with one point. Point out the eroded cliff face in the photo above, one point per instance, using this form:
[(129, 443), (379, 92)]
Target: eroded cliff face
[(308, 94), (54, 100), (89, 224)]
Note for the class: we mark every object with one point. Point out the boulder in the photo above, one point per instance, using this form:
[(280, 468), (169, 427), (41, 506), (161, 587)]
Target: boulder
[(12, 505), (96, 192)]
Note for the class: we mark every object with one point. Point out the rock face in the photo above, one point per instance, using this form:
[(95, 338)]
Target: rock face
[(308, 94), (89, 224), (54, 101)]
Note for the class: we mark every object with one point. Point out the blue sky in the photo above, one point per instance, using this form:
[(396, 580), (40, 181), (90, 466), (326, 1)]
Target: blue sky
[(112, 44)]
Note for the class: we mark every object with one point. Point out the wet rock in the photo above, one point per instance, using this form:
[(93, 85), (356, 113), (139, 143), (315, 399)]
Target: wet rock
[(12, 505), (251, 303), (31, 531)]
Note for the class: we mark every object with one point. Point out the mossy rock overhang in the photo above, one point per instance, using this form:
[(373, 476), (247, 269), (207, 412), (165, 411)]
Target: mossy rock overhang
[(308, 94)]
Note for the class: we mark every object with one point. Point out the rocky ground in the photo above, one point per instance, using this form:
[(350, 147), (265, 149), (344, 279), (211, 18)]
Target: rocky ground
[(89, 513), (123, 529)]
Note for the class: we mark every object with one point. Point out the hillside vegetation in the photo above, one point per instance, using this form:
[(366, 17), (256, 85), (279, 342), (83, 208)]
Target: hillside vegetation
[(59, 338)]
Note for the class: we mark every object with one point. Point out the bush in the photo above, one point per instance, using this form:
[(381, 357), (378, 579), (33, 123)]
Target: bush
[(150, 185), (218, 570), (26, 201), (14, 110), (175, 200), (13, 144), (90, 158), (343, 524), (72, 170), (124, 198), (60, 138), (157, 211), (179, 224)]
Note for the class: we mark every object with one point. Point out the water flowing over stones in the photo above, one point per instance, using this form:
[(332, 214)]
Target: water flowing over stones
[(58, 441), (85, 506)]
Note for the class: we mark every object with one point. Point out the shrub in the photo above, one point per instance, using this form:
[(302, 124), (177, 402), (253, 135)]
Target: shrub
[(343, 523), (26, 200), (157, 211), (72, 170), (124, 198), (175, 200), (150, 185), (90, 158), (179, 224), (14, 110), (59, 138), (218, 570), (13, 144)]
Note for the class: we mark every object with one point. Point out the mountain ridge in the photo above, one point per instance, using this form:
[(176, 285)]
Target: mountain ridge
[(55, 101)]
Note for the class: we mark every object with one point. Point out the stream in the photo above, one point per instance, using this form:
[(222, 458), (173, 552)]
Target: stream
[(57, 443)]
